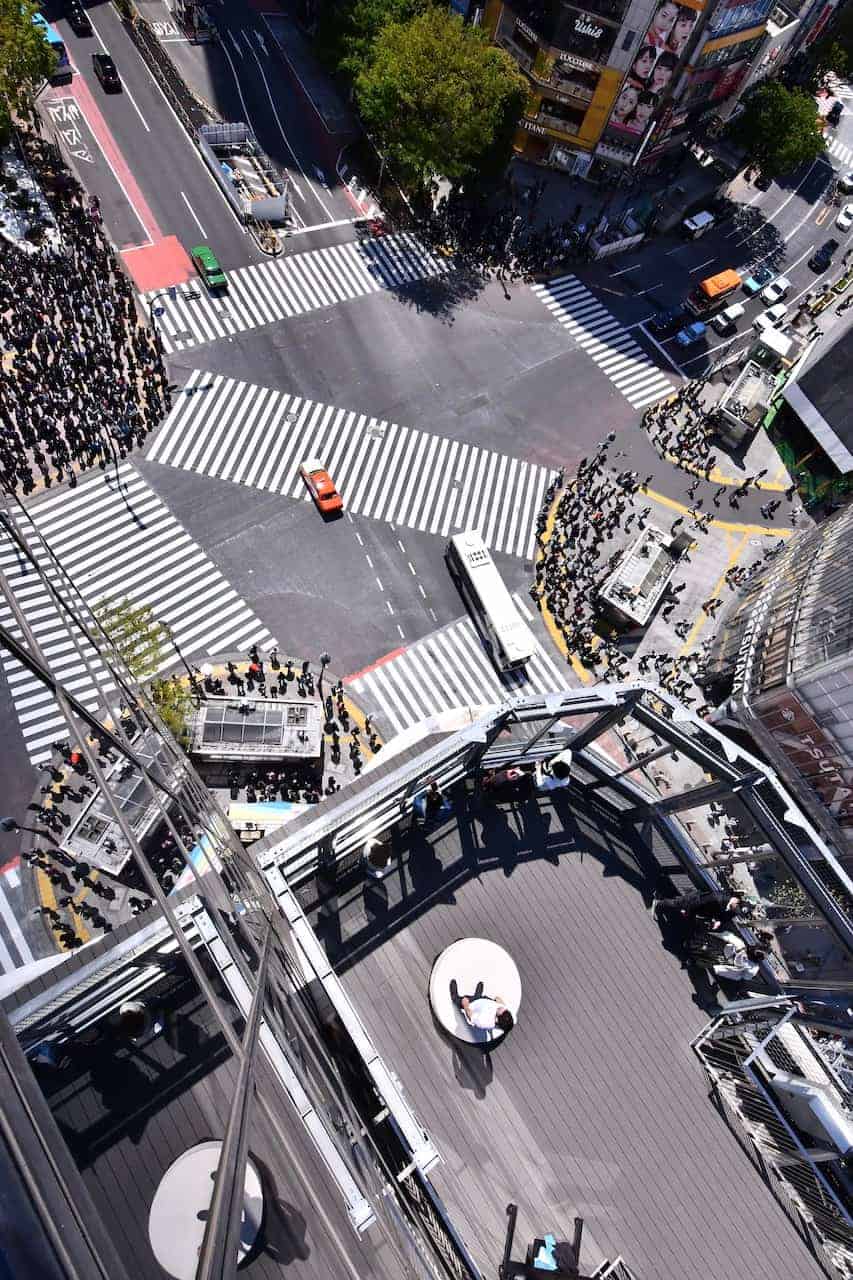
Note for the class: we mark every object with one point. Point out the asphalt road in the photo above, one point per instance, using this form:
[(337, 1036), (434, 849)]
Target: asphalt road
[(460, 362)]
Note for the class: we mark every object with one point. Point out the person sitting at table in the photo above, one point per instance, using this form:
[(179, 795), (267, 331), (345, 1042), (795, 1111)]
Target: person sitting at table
[(486, 1013)]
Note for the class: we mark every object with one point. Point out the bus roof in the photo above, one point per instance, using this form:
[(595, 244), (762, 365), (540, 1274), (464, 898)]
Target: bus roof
[(720, 283)]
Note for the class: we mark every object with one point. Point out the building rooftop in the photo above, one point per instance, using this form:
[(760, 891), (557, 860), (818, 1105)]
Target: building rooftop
[(821, 395), (595, 1106)]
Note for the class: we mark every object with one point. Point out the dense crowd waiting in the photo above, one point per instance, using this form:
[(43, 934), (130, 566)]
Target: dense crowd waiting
[(577, 557), (82, 381)]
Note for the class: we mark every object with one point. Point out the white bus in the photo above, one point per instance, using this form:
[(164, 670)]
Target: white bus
[(508, 639)]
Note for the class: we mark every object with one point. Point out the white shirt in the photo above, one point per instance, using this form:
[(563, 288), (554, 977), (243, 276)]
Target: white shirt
[(482, 1013)]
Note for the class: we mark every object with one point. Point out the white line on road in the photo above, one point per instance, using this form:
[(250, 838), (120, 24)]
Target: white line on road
[(194, 215), (785, 202), (369, 561), (390, 607), (414, 571), (625, 270), (420, 588), (15, 930), (379, 584), (124, 87), (324, 207), (707, 263), (401, 631)]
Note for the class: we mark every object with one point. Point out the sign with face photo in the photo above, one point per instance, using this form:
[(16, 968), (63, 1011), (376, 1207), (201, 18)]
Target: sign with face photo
[(654, 66)]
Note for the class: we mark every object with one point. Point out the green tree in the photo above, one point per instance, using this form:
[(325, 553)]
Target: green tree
[(830, 57), (347, 31), (440, 99), (174, 703), (779, 129), (138, 637), (26, 61)]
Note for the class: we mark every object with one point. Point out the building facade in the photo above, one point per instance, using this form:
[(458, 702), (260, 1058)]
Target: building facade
[(783, 660), (624, 82)]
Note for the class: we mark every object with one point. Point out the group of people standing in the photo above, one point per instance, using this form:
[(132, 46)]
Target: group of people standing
[(82, 379)]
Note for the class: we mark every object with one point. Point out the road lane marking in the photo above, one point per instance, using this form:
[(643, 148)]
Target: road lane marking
[(194, 215)]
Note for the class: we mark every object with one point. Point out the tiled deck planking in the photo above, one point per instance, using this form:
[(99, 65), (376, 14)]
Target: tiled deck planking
[(125, 1124), (596, 1105)]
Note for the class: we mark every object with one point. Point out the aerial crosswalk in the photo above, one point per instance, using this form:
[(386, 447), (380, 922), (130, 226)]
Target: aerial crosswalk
[(255, 436), (840, 151), (114, 538), (289, 286), (604, 340), (449, 668), (14, 947)]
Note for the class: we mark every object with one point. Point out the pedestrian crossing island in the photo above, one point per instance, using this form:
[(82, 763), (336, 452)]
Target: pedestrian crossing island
[(252, 435)]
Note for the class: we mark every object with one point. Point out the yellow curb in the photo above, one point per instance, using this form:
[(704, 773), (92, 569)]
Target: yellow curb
[(761, 530), (703, 617), (554, 632), (716, 476)]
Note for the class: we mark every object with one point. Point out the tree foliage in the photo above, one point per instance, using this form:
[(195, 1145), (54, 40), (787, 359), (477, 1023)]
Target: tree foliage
[(138, 637), (440, 99), (174, 702), (26, 61), (347, 31), (830, 58), (779, 129)]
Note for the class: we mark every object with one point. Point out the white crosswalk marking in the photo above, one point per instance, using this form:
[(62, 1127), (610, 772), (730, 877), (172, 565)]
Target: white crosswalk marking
[(844, 153), (605, 340), (449, 668), (115, 538), (251, 435), (289, 286), (14, 947)]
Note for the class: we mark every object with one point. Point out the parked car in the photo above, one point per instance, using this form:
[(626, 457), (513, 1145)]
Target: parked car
[(845, 182), (105, 70), (844, 221), (691, 334), (822, 257), (76, 17), (771, 318), (320, 486), (207, 265), (759, 278), (727, 320), (776, 290), (666, 323)]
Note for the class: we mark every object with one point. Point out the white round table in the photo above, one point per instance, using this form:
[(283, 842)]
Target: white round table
[(179, 1210), (467, 962)]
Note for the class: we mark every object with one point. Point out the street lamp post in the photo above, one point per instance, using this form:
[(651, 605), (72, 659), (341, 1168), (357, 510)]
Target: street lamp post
[(325, 659), (12, 824), (196, 687)]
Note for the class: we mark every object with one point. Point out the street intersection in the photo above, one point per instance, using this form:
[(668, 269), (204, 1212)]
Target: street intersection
[(438, 400)]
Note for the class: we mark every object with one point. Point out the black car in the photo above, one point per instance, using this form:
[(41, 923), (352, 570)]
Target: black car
[(836, 111), (667, 323), (105, 70), (76, 17), (822, 257)]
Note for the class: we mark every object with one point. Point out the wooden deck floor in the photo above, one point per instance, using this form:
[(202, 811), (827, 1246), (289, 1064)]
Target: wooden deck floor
[(596, 1105), (127, 1113)]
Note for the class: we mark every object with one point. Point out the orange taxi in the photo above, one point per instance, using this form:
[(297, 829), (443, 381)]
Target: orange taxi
[(320, 486)]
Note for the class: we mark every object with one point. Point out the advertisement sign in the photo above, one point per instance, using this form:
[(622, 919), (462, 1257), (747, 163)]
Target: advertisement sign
[(654, 66), (814, 755)]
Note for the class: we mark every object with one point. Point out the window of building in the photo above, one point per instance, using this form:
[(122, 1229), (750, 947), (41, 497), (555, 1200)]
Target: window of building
[(524, 42), (566, 117), (731, 53), (570, 80), (630, 37)]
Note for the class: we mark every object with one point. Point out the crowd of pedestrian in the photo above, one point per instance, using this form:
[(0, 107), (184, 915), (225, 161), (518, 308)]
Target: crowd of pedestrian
[(82, 380)]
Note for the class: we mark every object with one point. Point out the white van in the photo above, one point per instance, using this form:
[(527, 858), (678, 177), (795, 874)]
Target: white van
[(727, 319), (696, 226)]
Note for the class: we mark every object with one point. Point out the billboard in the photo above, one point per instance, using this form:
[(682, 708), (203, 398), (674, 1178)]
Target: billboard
[(654, 66)]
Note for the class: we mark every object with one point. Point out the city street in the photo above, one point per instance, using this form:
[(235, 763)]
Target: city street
[(437, 399)]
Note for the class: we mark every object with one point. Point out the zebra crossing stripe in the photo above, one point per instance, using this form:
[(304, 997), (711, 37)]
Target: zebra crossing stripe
[(266, 292), (114, 537), (607, 342), (844, 153), (448, 668), (252, 435)]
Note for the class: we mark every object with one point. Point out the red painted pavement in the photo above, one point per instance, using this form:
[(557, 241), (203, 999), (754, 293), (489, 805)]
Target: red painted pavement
[(395, 653), (82, 94), (11, 865), (157, 265)]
